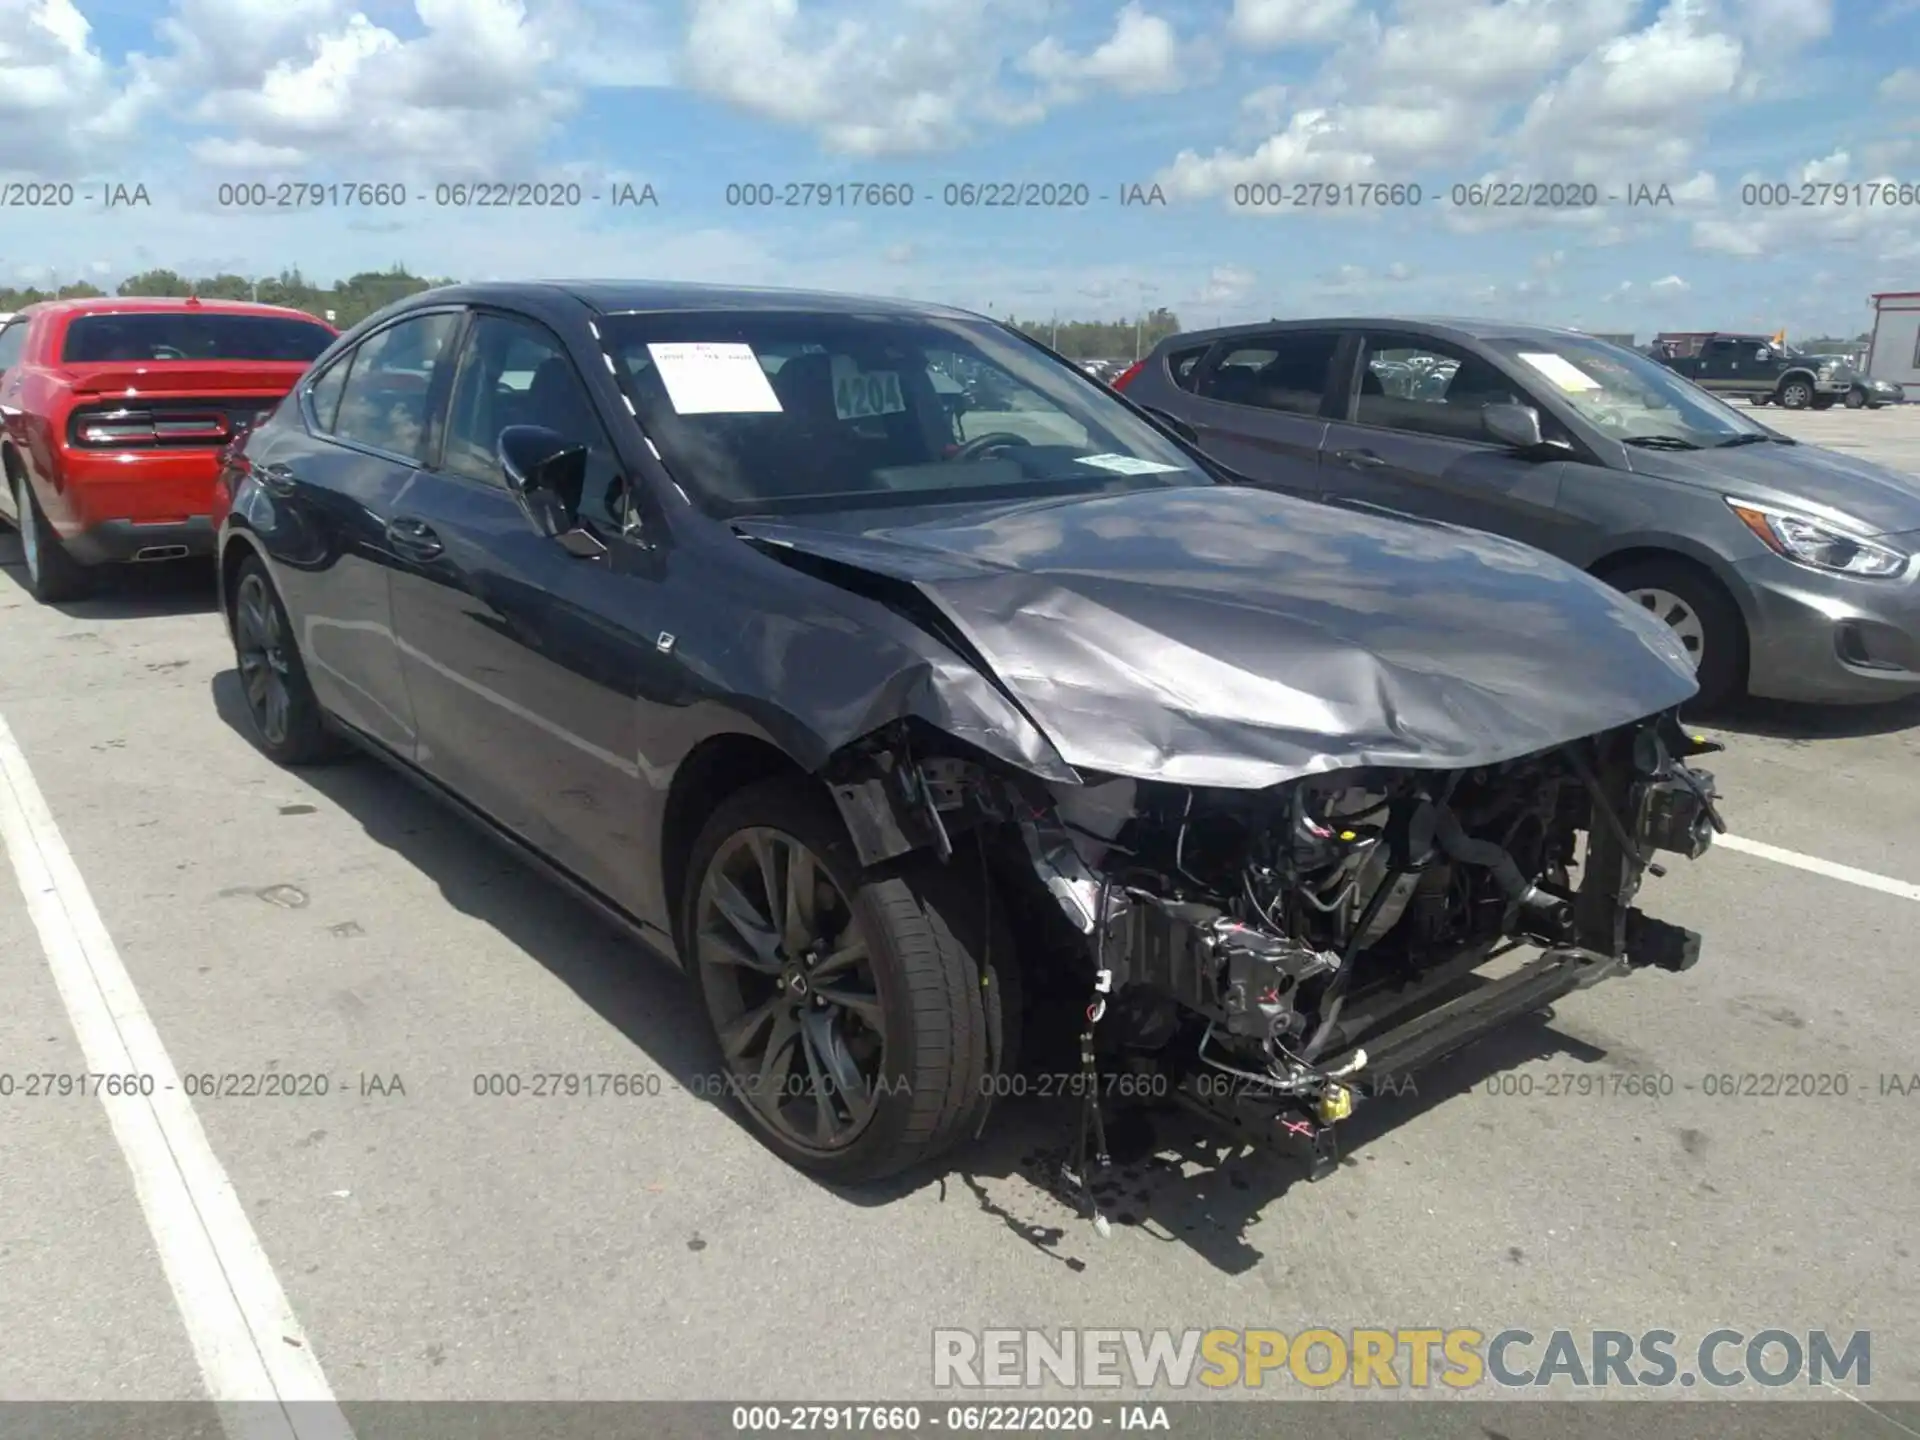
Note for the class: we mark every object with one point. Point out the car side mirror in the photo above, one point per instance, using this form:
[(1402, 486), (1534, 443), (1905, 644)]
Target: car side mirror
[(546, 474), (1515, 425)]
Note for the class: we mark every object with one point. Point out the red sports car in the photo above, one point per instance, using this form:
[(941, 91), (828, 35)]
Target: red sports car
[(115, 412)]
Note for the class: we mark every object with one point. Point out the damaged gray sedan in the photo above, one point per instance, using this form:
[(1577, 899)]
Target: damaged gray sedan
[(927, 736)]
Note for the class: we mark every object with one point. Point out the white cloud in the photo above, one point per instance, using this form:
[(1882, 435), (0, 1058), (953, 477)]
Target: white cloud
[(1842, 217), (1902, 86), (1397, 98), (1273, 24), (56, 94), (919, 79), (1784, 24), (1670, 285), (1629, 110), (1143, 56), (1227, 285), (290, 83), (1314, 146)]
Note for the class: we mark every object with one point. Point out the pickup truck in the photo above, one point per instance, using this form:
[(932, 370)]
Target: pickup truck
[(1761, 371)]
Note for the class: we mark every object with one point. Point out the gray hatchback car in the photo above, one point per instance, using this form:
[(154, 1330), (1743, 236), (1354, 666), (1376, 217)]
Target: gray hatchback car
[(1788, 571)]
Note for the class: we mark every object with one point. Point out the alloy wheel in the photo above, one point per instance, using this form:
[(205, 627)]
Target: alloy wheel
[(264, 666), (1680, 617), (792, 989)]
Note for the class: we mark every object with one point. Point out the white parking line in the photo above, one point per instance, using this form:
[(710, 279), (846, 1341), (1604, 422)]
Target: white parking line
[(1866, 879), (257, 1361)]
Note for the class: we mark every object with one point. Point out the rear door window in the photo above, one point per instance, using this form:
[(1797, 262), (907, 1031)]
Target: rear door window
[(1286, 371), (186, 335), (384, 402)]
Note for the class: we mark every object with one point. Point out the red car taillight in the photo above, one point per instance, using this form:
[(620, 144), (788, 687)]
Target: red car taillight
[(119, 428), (1125, 377)]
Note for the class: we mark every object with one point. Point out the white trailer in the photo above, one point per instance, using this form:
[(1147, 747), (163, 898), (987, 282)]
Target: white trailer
[(1894, 351)]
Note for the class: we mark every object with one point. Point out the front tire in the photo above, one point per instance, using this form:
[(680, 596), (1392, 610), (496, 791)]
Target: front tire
[(1795, 394), (861, 1015), (1855, 399), (52, 574), (288, 723), (1703, 617)]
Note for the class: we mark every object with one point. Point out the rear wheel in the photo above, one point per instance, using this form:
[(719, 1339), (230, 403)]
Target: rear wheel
[(861, 1015), (1702, 616), (1796, 394), (52, 574), (288, 722)]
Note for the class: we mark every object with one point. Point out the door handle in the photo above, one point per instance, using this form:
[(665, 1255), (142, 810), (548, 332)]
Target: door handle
[(276, 479), (414, 537), (1359, 459)]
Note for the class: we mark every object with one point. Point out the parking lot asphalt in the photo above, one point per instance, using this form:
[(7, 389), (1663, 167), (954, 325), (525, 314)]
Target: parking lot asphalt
[(436, 1243)]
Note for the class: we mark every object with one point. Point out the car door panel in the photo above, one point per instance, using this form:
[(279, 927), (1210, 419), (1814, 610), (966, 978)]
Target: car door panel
[(1479, 486), (535, 673), (522, 662), (320, 511), (1256, 406)]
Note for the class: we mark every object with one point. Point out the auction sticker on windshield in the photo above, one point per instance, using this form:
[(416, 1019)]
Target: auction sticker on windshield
[(1562, 372), (1129, 465), (706, 377), (863, 394)]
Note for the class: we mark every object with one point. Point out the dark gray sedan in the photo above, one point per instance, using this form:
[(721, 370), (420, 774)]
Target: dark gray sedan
[(1785, 569)]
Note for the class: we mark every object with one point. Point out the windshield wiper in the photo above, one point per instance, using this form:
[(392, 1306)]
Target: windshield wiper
[(1754, 439), (1660, 442)]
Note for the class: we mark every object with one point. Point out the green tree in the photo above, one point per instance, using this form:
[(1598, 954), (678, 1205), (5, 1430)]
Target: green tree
[(224, 287), (157, 283), (1103, 339)]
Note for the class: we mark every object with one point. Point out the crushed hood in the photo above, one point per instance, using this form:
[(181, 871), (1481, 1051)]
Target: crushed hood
[(1234, 637)]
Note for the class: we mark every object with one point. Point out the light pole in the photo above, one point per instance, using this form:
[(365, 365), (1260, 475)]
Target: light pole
[(1140, 316)]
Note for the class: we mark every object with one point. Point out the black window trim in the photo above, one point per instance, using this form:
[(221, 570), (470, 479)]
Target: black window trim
[(436, 391)]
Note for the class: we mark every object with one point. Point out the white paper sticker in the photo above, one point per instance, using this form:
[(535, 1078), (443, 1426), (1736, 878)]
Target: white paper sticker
[(714, 378), (1561, 371), (1127, 465), (864, 394)]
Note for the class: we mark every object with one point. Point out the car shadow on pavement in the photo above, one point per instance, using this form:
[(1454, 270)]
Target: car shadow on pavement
[(1172, 1178), (1178, 1180), (635, 990), (130, 592), (1785, 720)]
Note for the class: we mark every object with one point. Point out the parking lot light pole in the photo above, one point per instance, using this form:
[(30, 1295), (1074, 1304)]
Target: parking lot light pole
[(1140, 316)]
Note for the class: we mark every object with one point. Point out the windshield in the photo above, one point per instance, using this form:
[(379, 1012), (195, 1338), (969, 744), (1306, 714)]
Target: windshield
[(1622, 393), (184, 335), (780, 412)]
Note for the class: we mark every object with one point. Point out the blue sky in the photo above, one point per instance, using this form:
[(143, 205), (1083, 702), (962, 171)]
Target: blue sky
[(1212, 101)]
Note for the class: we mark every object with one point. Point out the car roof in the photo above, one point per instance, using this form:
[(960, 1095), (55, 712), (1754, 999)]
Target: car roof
[(618, 297), (1440, 327), (162, 304)]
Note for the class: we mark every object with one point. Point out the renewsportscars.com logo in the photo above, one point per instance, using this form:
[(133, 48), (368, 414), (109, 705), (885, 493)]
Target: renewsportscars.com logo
[(1456, 1359)]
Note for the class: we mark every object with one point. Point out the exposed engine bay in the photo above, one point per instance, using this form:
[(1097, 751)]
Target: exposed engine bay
[(1274, 952)]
